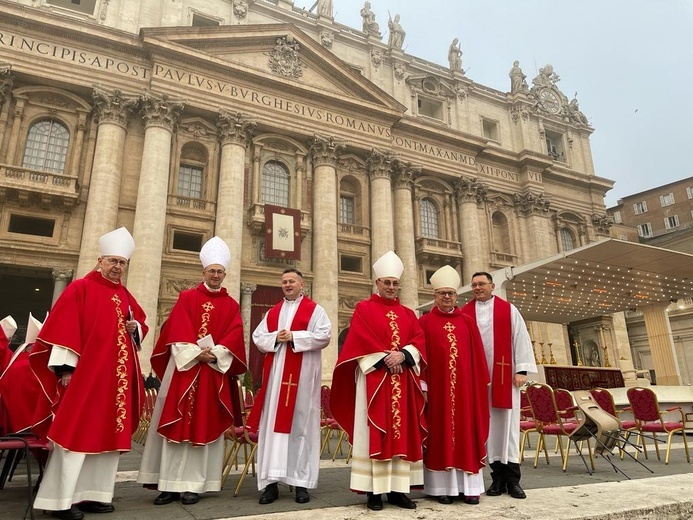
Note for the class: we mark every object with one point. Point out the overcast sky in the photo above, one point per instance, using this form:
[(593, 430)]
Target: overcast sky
[(631, 62)]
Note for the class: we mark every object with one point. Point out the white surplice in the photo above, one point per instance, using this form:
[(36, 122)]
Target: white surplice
[(504, 431), (282, 457)]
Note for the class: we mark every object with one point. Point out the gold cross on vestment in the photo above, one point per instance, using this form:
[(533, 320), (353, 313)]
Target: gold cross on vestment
[(502, 363), (289, 384), (391, 315), (449, 327), (207, 306), (116, 299)]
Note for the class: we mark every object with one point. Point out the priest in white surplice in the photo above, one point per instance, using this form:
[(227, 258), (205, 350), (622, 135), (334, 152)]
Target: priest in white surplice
[(200, 346), (510, 356), (286, 413)]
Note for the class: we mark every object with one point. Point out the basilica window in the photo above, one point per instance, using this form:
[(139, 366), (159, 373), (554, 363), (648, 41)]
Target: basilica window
[(80, 6), (275, 184), (489, 129), (431, 108), (190, 181), (501, 233), (428, 215), (567, 239), (346, 209), (554, 146), (46, 146)]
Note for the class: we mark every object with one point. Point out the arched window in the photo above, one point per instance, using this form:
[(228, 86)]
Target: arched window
[(501, 234), (567, 240), (46, 147), (275, 184), (428, 213), (191, 171), (348, 202)]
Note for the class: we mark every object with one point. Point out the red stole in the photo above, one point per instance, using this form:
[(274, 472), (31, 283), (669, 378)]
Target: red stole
[(502, 377), (291, 373)]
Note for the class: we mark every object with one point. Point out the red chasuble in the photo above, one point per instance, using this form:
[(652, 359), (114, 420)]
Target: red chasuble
[(100, 408), (198, 405), (395, 401), (291, 374), (457, 377), (502, 376), (19, 389)]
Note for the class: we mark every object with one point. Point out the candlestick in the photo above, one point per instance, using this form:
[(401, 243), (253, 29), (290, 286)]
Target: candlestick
[(552, 360), (536, 361), (543, 357), (606, 353), (577, 353)]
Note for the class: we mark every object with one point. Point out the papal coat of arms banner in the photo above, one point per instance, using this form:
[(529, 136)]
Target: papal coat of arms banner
[(282, 232)]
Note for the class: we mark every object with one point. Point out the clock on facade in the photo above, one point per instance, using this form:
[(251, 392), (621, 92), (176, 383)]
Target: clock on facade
[(549, 101)]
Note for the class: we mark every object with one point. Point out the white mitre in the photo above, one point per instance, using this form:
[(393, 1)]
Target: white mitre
[(215, 251), (32, 330), (447, 277), (117, 243), (388, 266), (9, 326)]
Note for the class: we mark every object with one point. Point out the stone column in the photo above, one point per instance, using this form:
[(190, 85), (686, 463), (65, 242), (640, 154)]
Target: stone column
[(325, 152), (537, 236), (160, 115), (61, 277), (235, 131), (101, 215), (404, 233), (379, 166), (6, 82), (470, 195), (14, 133), (661, 344), (247, 290)]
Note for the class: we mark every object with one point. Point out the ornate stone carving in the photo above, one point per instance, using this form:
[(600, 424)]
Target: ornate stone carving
[(325, 150), (248, 288), (325, 8), (113, 106), (327, 39), (176, 286), (379, 164), (376, 57), (62, 275), (528, 203), (548, 99), (405, 174), (399, 69), (348, 302), (240, 9), (6, 81), (370, 26), (397, 34), (518, 111), (161, 110), (284, 59), (103, 12), (455, 56), (602, 223), (518, 79), (470, 190), (234, 127)]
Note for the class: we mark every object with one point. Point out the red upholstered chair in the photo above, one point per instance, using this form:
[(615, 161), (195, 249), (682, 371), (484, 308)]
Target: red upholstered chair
[(237, 437), (527, 423), (606, 402), (650, 420), (329, 426), (549, 421)]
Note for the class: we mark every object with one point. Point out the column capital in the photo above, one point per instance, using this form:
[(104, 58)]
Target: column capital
[(112, 106), (470, 190), (529, 203), (325, 150), (248, 288), (405, 173), (380, 164), (62, 275), (6, 81), (234, 127), (161, 110)]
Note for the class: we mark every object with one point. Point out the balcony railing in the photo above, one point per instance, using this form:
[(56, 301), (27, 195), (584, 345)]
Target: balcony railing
[(437, 250), (50, 188), (191, 205), (499, 259)]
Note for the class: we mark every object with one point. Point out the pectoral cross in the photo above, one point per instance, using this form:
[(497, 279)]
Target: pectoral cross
[(289, 384), (502, 363), (207, 306), (449, 327)]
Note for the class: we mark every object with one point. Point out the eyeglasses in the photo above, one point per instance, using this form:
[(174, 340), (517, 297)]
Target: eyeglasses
[(446, 294), (213, 272), (116, 261), (388, 283), (479, 284)]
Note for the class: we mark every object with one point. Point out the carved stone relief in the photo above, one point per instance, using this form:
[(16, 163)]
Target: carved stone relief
[(284, 59)]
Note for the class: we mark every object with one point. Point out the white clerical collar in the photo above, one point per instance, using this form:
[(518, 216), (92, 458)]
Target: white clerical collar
[(487, 302), (300, 297), (447, 312), (210, 289)]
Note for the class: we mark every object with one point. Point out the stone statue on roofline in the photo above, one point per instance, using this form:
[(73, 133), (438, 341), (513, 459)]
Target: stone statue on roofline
[(370, 26), (325, 8), (518, 79), (455, 56), (397, 34)]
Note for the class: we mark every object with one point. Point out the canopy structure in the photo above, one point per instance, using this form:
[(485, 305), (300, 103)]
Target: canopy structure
[(599, 278)]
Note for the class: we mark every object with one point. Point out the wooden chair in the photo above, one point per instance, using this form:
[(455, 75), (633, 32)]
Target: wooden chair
[(549, 421), (238, 436), (650, 420)]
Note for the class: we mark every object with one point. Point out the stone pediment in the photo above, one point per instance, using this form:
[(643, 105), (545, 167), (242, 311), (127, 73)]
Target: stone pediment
[(276, 55)]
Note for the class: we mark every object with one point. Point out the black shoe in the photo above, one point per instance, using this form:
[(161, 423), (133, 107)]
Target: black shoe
[(68, 514), (471, 500), (497, 488), (401, 500), (89, 506), (516, 491), (166, 497), (375, 502), (444, 500), (189, 498), (302, 496), (270, 494)]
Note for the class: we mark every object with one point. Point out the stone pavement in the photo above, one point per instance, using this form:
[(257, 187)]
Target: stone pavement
[(551, 494)]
